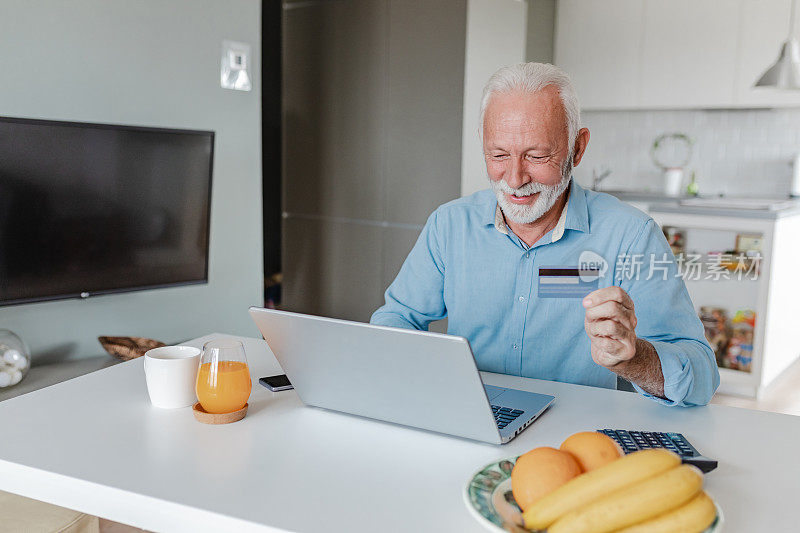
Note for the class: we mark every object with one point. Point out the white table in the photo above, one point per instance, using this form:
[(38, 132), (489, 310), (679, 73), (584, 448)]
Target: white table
[(95, 444)]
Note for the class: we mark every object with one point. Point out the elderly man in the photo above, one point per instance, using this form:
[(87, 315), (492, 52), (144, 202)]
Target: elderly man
[(505, 265)]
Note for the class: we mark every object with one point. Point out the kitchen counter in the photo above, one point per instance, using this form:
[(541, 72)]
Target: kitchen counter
[(644, 196), (661, 203)]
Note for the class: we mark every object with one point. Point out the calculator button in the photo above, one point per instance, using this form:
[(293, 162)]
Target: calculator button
[(631, 441)]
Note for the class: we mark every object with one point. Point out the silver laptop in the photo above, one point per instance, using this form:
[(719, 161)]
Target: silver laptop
[(414, 378)]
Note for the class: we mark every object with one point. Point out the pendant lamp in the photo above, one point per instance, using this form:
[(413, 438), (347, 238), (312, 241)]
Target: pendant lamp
[(785, 73)]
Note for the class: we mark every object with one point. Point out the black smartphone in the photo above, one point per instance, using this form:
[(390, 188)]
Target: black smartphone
[(276, 383)]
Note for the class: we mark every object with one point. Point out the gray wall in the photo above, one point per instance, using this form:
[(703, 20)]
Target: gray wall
[(373, 96), (541, 30), (150, 63)]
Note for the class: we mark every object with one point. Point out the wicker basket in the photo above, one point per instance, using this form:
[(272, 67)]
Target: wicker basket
[(127, 348)]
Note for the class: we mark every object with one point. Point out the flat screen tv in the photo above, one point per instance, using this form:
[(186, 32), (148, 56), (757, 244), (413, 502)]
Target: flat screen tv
[(90, 209)]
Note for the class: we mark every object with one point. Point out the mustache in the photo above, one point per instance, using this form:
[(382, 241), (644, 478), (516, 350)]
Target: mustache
[(526, 190)]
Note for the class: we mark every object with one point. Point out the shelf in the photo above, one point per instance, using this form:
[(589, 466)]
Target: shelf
[(40, 376), (735, 376), (737, 383)]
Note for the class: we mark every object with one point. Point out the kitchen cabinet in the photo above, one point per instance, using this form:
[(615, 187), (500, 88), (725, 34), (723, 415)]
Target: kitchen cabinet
[(587, 35), (654, 54), (688, 56)]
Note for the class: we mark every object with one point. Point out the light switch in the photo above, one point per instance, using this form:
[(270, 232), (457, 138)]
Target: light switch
[(234, 71)]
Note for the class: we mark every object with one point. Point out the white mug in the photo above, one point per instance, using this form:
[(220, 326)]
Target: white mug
[(171, 374)]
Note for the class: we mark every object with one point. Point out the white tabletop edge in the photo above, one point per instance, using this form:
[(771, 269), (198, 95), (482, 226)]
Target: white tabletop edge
[(99, 500)]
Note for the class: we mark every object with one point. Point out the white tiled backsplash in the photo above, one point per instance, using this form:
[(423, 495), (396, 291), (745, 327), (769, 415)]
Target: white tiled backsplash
[(736, 152)]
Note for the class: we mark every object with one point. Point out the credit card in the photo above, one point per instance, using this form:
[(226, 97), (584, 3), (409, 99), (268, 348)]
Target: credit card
[(567, 282)]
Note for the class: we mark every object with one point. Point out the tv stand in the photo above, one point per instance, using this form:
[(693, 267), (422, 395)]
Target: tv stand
[(42, 376)]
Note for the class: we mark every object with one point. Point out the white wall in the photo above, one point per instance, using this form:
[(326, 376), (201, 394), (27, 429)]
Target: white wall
[(149, 63), (496, 37)]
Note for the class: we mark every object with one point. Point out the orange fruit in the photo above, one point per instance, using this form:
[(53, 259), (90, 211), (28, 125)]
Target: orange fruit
[(539, 472), (591, 449)]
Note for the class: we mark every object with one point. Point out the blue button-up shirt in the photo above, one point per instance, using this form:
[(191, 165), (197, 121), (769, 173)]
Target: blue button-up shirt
[(469, 267)]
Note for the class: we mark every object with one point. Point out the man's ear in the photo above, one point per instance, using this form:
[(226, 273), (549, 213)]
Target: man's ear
[(581, 141)]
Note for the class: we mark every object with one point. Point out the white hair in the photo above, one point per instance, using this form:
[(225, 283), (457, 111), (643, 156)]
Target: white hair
[(529, 78)]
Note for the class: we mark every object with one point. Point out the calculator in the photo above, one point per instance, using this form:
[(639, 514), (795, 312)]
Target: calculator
[(631, 441)]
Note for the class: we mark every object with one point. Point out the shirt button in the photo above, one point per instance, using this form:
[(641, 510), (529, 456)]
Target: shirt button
[(521, 298), (527, 254), (515, 346)]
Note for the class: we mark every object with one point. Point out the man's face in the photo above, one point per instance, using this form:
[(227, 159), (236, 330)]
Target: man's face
[(526, 150)]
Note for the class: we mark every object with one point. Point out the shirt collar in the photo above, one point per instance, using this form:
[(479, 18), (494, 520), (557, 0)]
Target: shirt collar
[(499, 220), (577, 210), (574, 216)]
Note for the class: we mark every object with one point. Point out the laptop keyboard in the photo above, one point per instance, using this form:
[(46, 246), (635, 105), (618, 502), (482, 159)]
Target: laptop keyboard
[(505, 415)]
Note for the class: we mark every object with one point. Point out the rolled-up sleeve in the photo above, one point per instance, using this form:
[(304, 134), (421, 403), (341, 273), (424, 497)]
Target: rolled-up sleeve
[(667, 319), (416, 296)]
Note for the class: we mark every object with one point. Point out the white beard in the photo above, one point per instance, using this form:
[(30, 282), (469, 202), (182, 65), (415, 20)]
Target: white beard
[(548, 194)]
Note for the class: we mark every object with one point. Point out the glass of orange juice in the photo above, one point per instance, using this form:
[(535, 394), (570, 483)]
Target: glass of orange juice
[(223, 380)]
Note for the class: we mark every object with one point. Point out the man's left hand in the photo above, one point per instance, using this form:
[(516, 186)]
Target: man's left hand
[(610, 323)]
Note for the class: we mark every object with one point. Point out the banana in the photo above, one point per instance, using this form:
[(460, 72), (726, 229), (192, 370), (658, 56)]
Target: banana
[(693, 517), (633, 504), (602, 481)]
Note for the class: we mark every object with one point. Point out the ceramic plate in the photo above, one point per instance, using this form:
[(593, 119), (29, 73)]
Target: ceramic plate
[(488, 497)]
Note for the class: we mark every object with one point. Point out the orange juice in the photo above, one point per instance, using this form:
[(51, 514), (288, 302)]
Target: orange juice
[(225, 390)]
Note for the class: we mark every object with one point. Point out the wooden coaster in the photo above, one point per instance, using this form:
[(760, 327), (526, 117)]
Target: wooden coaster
[(222, 418)]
